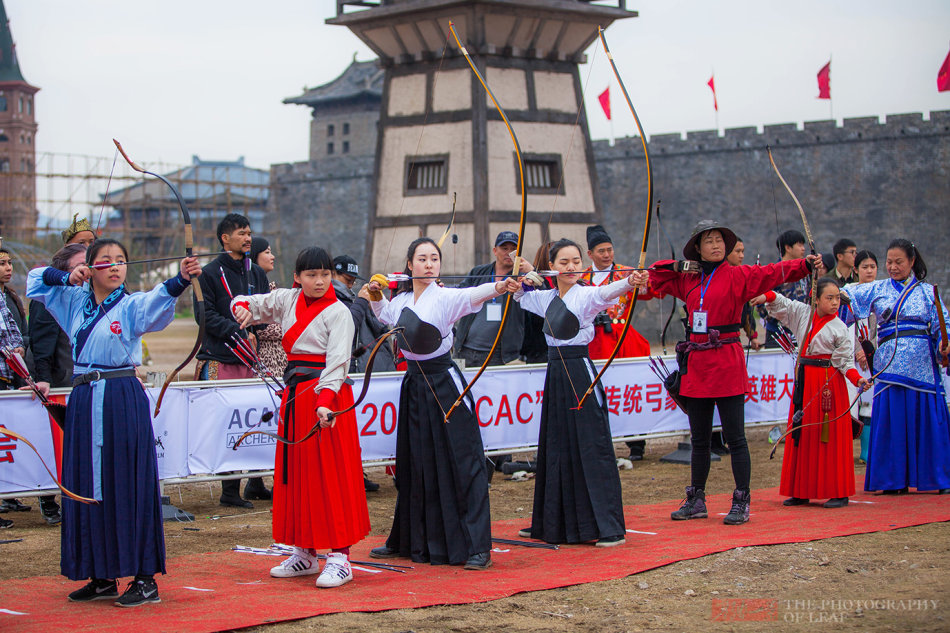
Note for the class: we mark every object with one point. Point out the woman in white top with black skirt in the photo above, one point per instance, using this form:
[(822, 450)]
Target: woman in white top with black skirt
[(442, 514), (577, 487)]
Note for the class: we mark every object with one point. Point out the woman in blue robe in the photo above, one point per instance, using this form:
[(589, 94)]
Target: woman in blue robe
[(910, 425), (109, 445)]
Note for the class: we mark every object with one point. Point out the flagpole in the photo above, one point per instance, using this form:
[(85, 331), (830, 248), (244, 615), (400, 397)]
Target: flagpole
[(611, 117), (831, 96), (716, 101)]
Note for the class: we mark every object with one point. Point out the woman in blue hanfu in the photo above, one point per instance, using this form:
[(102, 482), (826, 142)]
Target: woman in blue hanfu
[(109, 445), (910, 425)]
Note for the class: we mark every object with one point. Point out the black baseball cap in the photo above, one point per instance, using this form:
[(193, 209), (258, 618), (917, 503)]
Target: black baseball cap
[(506, 236), (346, 265)]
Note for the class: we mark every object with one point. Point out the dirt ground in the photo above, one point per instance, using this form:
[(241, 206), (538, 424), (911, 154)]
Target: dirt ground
[(888, 581)]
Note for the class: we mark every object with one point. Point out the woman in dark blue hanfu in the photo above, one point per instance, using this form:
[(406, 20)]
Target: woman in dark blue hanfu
[(910, 438), (109, 445)]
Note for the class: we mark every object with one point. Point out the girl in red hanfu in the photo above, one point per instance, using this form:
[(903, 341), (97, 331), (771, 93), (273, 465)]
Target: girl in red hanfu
[(818, 461), (319, 498), (712, 366)]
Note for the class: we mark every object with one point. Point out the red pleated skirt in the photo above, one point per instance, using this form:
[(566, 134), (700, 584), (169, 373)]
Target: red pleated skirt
[(322, 505), (816, 469)]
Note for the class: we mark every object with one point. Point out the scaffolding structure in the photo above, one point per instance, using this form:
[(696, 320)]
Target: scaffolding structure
[(138, 210)]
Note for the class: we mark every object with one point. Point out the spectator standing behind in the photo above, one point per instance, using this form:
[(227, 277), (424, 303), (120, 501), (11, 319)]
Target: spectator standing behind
[(844, 272), (534, 349), (609, 323), (229, 275), (52, 351), (475, 333), (368, 328), (269, 339), (79, 232), (865, 263), (791, 245)]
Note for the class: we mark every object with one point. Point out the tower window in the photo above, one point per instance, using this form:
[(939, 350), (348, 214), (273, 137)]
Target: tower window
[(346, 147), (21, 105), (329, 148), (426, 175), (330, 129), (3, 104), (346, 128), (29, 106), (542, 174), (4, 165)]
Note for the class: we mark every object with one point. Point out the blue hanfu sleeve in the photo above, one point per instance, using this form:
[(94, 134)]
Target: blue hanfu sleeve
[(154, 310), (50, 287)]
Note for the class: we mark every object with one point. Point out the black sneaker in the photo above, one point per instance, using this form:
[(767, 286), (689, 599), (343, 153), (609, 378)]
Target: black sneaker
[(5, 523), (96, 589), (383, 551), (14, 505), (478, 561), (51, 512), (369, 486), (611, 541), (140, 591)]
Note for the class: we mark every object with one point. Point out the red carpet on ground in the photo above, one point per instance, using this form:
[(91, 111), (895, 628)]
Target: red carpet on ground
[(228, 590)]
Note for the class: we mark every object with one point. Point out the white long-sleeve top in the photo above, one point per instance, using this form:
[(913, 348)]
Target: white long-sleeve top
[(438, 306), (585, 302), (834, 338), (329, 334)]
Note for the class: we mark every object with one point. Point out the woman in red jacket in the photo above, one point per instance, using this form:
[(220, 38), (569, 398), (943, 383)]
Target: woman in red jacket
[(712, 366)]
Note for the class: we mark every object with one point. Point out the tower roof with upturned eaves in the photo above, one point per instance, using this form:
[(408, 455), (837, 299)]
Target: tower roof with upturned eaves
[(360, 79)]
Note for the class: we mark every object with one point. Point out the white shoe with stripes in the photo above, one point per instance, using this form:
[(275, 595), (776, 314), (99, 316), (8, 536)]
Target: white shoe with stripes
[(336, 571), (300, 563)]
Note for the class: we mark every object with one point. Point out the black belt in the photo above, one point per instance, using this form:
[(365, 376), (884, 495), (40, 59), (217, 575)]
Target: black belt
[(302, 371), (732, 328), (98, 374), (902, 334), (815, 362)]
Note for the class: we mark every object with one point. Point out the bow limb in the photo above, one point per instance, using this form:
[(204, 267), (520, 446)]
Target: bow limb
[(524, 208), (669, 319), (943, 328), (646, 226), (69, 493), (448, 229), (195, 286)]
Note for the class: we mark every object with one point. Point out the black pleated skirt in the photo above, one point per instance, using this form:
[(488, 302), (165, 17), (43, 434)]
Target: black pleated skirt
[(577, 487), (442, 513)]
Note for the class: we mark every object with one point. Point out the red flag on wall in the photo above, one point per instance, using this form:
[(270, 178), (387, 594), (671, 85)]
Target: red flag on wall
[(712, 86), (943, 76), (604, 99), (824, 81)]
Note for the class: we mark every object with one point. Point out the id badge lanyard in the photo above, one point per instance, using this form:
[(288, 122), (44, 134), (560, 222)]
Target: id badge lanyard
[(699, 316)]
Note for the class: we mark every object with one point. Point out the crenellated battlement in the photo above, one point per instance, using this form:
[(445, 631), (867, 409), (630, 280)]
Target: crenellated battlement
[(788, 134)]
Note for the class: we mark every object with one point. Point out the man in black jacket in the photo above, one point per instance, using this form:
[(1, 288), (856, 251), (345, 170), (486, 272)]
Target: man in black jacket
[(229, 275)]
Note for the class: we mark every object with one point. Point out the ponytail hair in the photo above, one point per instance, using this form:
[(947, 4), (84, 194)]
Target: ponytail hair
[(919, 267), (406, 286)]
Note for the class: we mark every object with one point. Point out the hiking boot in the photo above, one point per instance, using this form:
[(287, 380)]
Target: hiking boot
[(51, 512), (141, 591), (739, 513), (96, 589), (478, 561), (300, 563), (610, 541), (694, 507), (837, 502), (235, 502), (794, 501), (336, 572)]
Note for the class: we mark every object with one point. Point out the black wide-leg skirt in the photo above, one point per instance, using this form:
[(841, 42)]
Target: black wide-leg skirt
[(442, 514), (577, 487)]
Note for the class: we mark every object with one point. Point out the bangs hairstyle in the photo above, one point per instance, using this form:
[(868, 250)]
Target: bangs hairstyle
[(313, 258), (823, 283), (560, 244), (99, 244), (862, 255)]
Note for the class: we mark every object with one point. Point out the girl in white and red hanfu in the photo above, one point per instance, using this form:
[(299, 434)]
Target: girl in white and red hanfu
[(819, 460), (319, 497)]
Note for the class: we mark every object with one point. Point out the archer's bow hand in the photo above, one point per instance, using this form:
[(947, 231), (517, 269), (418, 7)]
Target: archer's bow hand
[(327, 419), (190, 268), (638, 278), (511, 284), (816, 263), (863, 384)]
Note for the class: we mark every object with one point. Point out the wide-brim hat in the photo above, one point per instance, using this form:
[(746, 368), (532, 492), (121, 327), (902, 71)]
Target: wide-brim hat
[(704, 226)]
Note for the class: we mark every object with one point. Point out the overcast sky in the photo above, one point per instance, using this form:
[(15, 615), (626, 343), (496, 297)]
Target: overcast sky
[(175, 78)]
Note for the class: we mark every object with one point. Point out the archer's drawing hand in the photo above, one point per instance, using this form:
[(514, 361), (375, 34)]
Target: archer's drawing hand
[(243, 316)]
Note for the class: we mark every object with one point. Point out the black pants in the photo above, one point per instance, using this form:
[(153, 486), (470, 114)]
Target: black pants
[(732, 414)]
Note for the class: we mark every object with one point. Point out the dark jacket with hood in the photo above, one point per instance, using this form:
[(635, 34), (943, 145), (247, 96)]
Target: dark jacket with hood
[(220, 324)]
